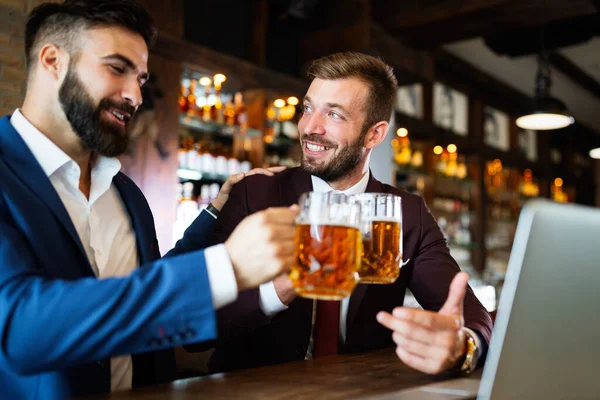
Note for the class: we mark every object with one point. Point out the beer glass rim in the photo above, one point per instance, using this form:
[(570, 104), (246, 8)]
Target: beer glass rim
[(331, 199), (370, 195), (331, 194)]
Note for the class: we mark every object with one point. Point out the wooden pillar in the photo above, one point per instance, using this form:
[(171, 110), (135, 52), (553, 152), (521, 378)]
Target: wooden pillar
[(476, 134), (152, 163), (167, 16), (260, 22)]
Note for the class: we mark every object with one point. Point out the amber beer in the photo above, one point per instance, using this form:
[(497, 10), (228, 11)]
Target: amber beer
[(382, 255), (327, 261)]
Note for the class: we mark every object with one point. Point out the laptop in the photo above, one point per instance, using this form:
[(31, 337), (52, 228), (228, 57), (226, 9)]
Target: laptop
[(546, 339)]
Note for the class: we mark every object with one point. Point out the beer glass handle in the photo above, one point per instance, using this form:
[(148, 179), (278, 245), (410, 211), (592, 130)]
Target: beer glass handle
[(404, 262)]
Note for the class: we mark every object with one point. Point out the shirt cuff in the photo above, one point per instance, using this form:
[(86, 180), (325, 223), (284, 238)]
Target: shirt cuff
[(213, 215), (223, 286), (269, 301), (478, 343)]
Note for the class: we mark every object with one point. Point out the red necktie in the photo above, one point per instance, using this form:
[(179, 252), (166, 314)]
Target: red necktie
[(327, 327)]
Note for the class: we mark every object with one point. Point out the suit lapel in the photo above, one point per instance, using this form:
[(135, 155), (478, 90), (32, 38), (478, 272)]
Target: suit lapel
[(374, 186), (146, 244), (293, 185), (24, 165)]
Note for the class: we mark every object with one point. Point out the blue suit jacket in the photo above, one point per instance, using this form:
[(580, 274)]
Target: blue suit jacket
[(59, 325)]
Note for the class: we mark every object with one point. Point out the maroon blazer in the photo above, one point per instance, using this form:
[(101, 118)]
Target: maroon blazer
[(247, 338)]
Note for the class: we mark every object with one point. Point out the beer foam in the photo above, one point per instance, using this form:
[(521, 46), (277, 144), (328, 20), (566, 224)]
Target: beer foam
[(321, 223), (383, 219)]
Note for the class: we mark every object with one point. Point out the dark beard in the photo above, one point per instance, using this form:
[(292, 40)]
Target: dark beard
[(340, 165), (97, 135)]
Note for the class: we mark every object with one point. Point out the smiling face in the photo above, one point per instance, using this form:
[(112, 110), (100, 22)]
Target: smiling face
[(332, 131), (102, 88)]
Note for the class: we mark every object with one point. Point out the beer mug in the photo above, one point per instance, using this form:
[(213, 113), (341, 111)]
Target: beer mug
[(328, 246), (381, 227)]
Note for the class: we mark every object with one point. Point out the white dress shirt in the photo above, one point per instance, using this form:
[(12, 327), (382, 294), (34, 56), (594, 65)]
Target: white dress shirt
[(104, 226), (269, 300)]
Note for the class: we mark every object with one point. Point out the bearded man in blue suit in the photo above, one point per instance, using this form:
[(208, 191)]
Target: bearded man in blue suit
[(86, 303)]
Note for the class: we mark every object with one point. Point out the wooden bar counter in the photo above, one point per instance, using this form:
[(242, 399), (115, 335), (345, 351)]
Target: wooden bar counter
[(375, 375)]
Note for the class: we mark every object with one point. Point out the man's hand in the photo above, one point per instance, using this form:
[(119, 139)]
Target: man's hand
[(262, 246), (427, 341), (284, 289), (223, 196)]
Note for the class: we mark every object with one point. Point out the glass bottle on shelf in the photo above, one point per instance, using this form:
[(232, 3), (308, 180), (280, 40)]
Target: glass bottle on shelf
[(241, 115), (182, 155), (204, 198), (214, 191), (245, 166), (201, 146), (208, 161), (206, 82), (187, 211), (233, 166), (450, 169), (191, 100), (218, 80), (219, 117), (442, 163), (221, 161), (229, 112), (461, 168), (183, 96)]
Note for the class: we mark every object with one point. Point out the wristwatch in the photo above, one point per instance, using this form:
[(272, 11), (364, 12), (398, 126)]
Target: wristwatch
[(469, 363)]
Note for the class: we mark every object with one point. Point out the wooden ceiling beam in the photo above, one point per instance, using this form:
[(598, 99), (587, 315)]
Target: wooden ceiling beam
[(576, 74), (400, 15), (501, 17)]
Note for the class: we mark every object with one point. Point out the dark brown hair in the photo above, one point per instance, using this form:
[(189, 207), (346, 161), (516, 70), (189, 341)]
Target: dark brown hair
[(62, 24), (378, 75)]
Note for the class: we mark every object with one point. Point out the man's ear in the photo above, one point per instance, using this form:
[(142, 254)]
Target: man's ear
[(54, 61), (376, 134)]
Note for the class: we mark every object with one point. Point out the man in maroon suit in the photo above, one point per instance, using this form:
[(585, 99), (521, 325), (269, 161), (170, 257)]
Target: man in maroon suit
[(345, 114)]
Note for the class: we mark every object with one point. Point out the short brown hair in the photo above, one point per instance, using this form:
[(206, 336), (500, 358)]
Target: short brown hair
[(373, 71)]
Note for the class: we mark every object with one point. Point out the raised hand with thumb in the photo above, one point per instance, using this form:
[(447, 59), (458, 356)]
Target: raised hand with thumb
[(431, 342)]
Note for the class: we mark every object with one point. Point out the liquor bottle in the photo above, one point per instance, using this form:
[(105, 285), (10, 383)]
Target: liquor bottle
[(450, 169), (461, 168), (183, 94), (206, 82), (191, 100), (219, 116), (187, 211), (212, 107), (229, 112), (192, 156), (182, 155), (241, 115)]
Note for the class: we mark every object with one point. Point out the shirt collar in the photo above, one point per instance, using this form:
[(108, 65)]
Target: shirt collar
[(51, 158), (319, 185), (47, 154)]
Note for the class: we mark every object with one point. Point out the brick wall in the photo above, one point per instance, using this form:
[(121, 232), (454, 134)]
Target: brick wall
[(13, 15)]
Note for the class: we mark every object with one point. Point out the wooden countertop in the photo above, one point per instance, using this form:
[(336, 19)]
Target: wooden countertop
[(374, 375)]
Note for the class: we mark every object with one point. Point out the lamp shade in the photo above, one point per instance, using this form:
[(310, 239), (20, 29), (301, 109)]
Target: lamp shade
[(546, 113), (595, 153)]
